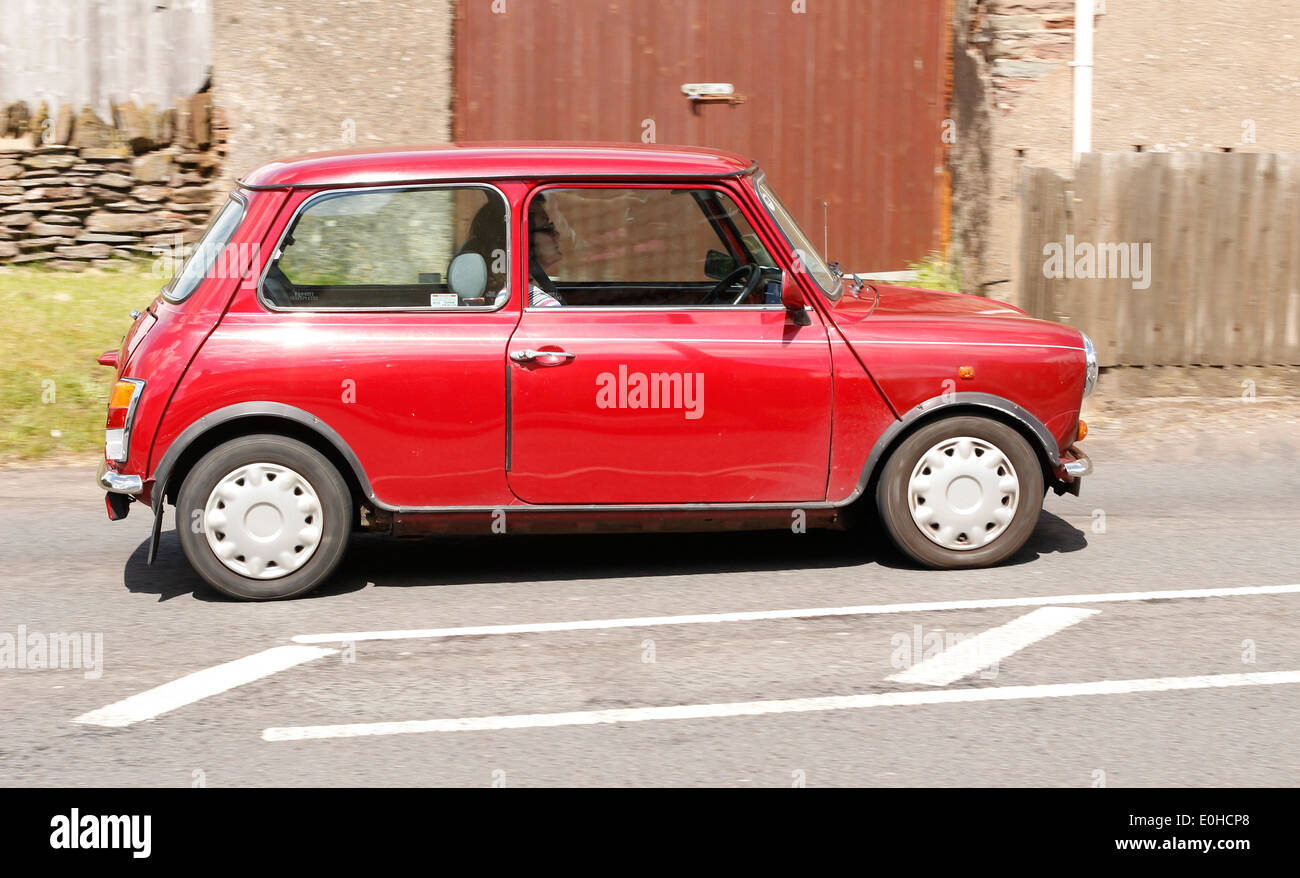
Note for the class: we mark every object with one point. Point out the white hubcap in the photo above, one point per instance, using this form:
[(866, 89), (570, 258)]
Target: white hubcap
[(963, 493), (263, 521)]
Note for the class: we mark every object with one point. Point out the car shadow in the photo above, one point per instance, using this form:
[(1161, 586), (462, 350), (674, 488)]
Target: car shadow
[(1052, 535), (171, 576), (466, 560)]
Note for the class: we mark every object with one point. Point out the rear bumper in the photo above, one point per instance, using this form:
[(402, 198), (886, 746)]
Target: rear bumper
[(118, 483)]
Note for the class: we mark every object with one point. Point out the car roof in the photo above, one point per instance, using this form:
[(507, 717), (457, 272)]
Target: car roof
[(480, 161)]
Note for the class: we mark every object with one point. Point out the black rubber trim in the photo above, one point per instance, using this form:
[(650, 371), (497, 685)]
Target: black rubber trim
[(938, 403), (251, 410), (162, 472), (510, 405), (154, 534)]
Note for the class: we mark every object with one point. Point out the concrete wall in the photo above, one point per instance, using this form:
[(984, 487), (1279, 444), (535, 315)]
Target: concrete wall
[(317, 75), (1170, 75)]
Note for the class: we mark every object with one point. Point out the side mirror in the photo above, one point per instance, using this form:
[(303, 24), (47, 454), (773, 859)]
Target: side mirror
[(792, 298), (718, 265)]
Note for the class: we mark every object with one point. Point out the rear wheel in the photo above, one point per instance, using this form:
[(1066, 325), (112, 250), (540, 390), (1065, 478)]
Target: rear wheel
[(961, 492), (264, 517)]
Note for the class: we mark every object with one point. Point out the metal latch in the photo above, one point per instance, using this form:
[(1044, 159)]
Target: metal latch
[(711, 93)]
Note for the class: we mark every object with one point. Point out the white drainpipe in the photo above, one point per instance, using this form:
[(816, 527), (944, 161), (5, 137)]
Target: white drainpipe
[(1082, 64)]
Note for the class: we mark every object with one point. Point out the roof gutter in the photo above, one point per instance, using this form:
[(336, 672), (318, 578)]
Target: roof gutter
[(518, 175)]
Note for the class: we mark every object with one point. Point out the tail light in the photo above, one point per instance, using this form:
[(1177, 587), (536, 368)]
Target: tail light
[(121, 411)]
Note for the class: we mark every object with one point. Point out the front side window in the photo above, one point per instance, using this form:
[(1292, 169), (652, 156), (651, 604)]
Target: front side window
[(433, 247), (645, 248), (806, 254)]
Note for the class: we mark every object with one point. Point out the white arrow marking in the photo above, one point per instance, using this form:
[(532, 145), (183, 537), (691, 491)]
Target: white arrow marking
[(201, 684), (988, 648), (758, 708)]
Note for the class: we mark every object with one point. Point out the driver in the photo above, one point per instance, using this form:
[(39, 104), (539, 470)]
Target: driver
[(546, 225)]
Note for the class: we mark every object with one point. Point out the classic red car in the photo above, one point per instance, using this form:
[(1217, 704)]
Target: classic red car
[(506, 338)]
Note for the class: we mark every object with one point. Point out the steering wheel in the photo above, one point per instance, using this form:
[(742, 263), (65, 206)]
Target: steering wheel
[(752, 276)]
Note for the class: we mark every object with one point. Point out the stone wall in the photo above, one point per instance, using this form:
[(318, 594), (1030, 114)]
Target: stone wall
[(78, 191)]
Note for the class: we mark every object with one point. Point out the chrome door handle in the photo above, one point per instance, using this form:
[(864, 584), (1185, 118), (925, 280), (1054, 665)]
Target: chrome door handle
[(529, 355)]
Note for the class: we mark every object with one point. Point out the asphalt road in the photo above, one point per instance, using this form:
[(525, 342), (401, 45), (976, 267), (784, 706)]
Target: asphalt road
[(1224, 513)]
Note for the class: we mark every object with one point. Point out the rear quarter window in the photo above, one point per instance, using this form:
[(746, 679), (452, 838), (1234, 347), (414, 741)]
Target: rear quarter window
[(209, 253)]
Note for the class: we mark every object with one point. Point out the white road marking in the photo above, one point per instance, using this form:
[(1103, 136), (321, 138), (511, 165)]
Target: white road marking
[(767, 615), (213, 681), (797, 705), (201, 684), (989, 647)]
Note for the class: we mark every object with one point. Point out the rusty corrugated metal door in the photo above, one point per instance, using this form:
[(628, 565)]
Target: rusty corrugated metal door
[(844, 102)]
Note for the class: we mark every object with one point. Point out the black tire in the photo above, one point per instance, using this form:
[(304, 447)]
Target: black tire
[(892, 501), (323, 478)]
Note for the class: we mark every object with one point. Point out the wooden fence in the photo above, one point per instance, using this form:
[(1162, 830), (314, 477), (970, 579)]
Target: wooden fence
[(1168, 258), (91, 52)]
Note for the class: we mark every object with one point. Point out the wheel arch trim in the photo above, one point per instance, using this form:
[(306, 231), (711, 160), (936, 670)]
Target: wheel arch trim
[(887, 439), (243, 410)]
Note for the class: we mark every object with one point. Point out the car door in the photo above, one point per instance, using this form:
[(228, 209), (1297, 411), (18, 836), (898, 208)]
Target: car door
[(626, 387)]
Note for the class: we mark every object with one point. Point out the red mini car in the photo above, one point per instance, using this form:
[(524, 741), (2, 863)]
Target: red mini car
[(566, 338)]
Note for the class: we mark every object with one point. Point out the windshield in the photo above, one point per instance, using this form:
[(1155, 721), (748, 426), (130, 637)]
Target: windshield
[(804, 250), (205, 254)]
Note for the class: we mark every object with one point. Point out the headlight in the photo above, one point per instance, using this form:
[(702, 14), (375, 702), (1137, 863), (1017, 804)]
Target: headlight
[(1090, 362)]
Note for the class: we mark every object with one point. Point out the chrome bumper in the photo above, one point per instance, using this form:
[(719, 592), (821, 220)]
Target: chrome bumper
[(117, 483), (1079, 467)]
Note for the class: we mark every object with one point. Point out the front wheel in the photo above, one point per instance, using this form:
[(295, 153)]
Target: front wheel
[(264, 517), (961, 492)]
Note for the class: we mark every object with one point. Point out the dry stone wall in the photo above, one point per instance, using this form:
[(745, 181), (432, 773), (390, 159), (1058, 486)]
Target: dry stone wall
[(77, 191)]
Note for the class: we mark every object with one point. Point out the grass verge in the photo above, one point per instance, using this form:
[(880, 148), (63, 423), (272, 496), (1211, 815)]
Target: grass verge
[(52, 327)]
